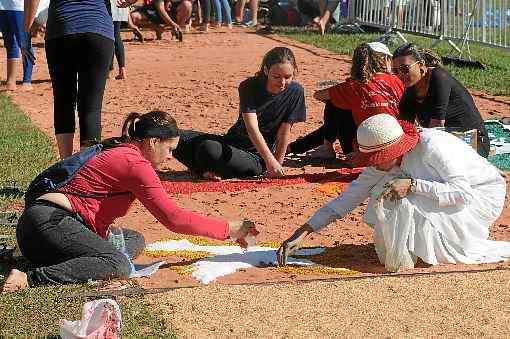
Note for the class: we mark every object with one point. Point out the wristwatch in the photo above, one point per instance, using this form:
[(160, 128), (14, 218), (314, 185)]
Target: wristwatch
[(412, 188)]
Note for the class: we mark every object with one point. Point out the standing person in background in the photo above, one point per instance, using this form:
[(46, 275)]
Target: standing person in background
[(239, 13), (327, 7), (434, 97), (119, 15), (206, 15), (17, 43), (79, 49), (219, 7)]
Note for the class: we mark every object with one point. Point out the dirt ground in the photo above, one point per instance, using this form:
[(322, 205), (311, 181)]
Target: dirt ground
[(197, 81)]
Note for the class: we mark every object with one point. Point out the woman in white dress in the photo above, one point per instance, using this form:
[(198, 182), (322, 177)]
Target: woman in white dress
[(431, 196)]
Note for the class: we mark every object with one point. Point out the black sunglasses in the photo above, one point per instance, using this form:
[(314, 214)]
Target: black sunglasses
[(403, 69)]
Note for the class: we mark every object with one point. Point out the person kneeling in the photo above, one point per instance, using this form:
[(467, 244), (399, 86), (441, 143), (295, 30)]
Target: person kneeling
[(63, 232), (431, 196)]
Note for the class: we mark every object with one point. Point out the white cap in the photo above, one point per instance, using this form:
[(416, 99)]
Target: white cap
[(380, 48)]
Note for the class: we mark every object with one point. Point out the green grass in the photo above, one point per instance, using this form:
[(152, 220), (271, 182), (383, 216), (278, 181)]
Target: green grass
[(35, 312), (493, 80), (24, 150)]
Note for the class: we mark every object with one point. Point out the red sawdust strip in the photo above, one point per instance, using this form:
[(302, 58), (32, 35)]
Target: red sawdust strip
[(343, 175)]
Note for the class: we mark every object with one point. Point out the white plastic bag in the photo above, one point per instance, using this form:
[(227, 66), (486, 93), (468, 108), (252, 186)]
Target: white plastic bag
[(100, 319), (391, 234)]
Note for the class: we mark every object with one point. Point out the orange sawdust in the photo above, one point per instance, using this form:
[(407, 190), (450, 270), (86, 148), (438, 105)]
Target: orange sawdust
[(332, 188)]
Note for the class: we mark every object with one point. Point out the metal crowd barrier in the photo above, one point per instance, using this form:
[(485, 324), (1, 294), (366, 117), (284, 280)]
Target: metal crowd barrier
[(481, 21)]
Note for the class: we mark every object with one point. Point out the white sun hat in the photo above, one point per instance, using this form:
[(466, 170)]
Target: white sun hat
[(383, 138), (379, 47)]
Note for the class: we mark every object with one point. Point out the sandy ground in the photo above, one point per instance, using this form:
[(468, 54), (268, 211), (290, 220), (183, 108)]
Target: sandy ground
[(454, 306), (197, 81)]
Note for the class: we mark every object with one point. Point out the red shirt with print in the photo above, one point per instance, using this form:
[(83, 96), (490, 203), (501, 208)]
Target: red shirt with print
[(381, 94)]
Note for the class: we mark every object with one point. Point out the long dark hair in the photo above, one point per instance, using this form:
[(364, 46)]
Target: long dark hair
[(277, 55), (136, 127), (426, 56), (366, 62)]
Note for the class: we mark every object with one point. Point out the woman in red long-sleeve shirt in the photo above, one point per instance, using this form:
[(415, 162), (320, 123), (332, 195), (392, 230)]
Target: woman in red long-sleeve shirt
[(63, 233)]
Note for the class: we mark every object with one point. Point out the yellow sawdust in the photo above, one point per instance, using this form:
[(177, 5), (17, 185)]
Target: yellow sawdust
[(185, 254), (334, 257), (207, 242), (183, 269), (298, 269)]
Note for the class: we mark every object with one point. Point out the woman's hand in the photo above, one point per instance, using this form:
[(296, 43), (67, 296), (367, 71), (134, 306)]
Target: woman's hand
[(274, 169), (238, 231), (397, 189), (292, 244)]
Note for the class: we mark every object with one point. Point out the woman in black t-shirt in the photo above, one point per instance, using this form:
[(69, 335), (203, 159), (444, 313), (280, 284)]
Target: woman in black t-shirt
[(270, 103), (433, 96)]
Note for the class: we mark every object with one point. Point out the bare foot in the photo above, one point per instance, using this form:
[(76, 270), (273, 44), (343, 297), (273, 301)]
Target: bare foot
[(229, 26), (10, 86), (26, 86), (122, 74), (211, 176), (16, 280)]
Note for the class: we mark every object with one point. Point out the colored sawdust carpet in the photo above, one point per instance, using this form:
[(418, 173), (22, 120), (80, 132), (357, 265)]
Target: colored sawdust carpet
[(188, 186), (207, 262), (499, 135)]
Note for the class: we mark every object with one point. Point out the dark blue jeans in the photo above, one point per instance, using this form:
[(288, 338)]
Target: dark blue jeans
[(64, 250)]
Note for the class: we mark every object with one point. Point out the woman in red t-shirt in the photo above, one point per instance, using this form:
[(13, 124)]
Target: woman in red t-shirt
[(370, 90), (63, 233)]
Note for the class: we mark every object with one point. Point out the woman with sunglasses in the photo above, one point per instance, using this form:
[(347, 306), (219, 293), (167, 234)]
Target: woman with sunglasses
[(433, 96), (370, 90)]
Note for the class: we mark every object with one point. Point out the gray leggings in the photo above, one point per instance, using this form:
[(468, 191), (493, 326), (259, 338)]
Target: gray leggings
[(64, 250)]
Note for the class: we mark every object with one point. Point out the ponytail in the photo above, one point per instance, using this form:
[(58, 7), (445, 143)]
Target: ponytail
[(366, 62), (136, 127), (425, 56)]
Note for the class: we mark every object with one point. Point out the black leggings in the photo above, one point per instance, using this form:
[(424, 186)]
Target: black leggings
[(78, 66), (338, 124), (64, 250), (119, 46), (202, 153)]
